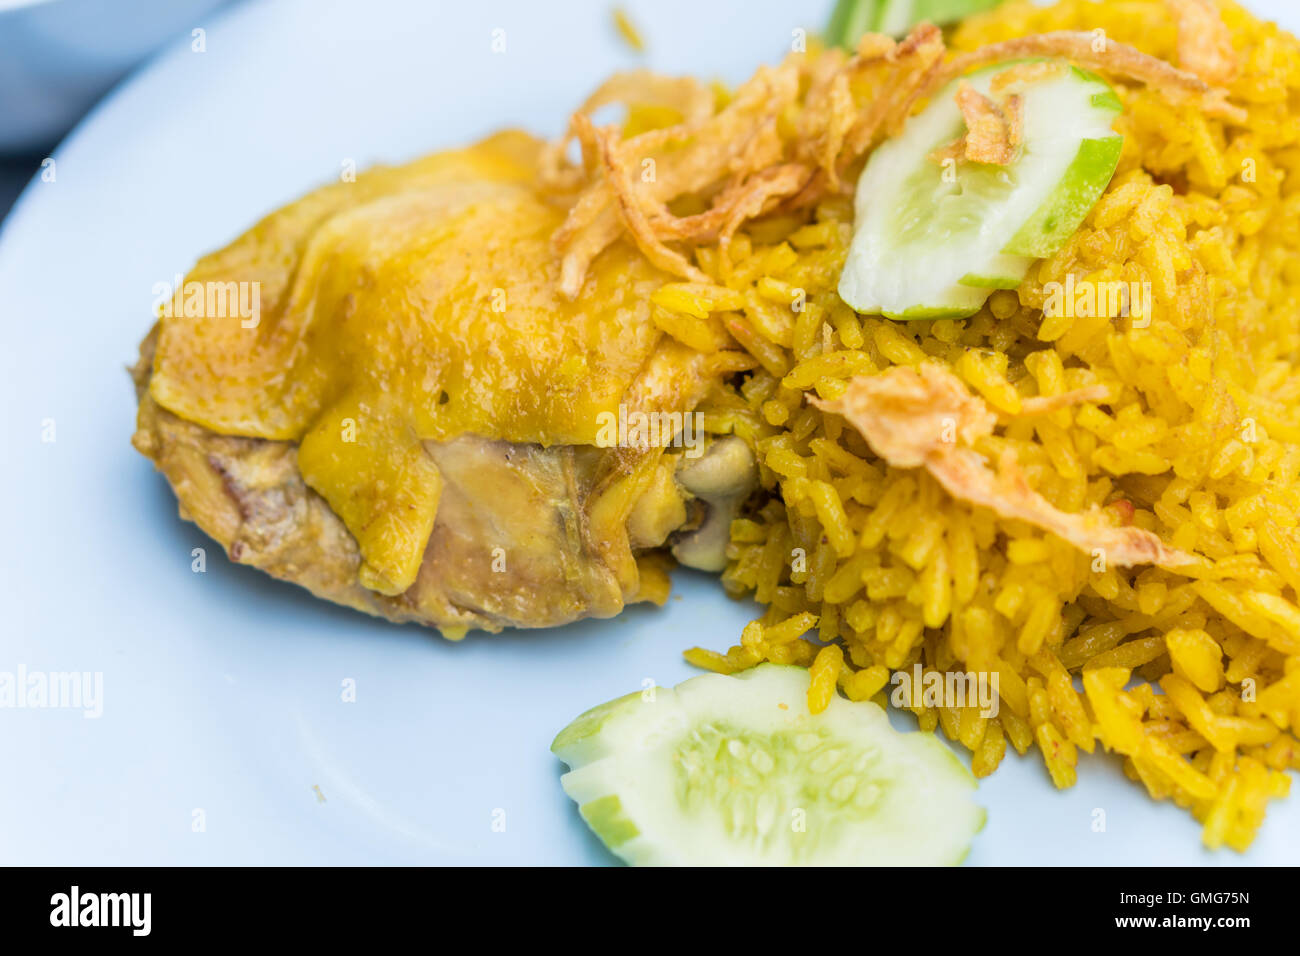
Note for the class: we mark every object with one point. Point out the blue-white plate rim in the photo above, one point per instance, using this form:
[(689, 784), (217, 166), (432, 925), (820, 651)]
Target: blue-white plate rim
[(224, 735)]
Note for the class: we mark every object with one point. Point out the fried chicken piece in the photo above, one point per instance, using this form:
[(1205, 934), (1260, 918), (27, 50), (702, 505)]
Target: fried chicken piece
[(408, 420), (527, 501)]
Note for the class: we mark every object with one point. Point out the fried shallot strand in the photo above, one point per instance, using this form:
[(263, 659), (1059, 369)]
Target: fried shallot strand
[(743, 161), (739, 156), (686, 95), (730, 145), (927, 418), (737, 203), (993, 132), (1046, 404), (914, 62), (1204, 41), (1114, 58), (631, 212), (1027, 74)]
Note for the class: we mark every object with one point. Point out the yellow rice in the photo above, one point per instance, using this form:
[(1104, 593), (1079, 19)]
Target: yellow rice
[(1193, 678)]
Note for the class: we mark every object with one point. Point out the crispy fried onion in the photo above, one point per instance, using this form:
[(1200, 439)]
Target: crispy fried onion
[(718, 155), (911, 67), (686, 96), (927, 418), (1025, 74), (993, 130), (791, 136), (1204, 41), (1046, 404), (737, 159), (1103, 55), (631, 212)]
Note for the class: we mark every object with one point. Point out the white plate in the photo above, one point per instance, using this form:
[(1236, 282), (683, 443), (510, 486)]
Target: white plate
[(222, 690)]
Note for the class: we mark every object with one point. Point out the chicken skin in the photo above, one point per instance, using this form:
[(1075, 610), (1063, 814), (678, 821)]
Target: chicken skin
[(380, 393)]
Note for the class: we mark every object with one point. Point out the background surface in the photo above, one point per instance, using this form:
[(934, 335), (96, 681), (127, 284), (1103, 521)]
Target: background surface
[(222, 690), (58, 57)]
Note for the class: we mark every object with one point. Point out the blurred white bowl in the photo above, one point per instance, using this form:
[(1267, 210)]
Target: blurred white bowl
[(58, 56)]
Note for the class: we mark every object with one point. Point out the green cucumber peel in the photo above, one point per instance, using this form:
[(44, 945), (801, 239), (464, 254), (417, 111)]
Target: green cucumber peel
[(736, 771)]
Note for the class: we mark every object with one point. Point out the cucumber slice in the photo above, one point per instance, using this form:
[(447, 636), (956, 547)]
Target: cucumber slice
[(941, 12), (1004, 272), (849, 20), (896, 17), (736, 771), (955, 303), (1055, 221), (852, 18), (920, 242)]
